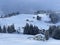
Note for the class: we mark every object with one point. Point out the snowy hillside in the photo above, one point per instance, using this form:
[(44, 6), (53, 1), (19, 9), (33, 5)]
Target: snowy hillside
[(20, 21)]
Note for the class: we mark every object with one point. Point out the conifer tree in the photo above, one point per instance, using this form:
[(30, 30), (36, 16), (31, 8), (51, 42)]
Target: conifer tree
[(4, 29)]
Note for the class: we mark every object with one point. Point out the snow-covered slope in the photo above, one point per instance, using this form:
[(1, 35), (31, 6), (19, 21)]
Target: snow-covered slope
[(20, 21), (21, 39), (44, 17)]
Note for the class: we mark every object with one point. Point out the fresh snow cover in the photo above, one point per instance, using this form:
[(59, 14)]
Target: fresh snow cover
[(20, 21), (45, 17), (21, 39)]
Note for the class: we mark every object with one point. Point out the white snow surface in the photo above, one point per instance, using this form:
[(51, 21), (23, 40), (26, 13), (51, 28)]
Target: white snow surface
[(20, 39), (20, 20), (45, 17)]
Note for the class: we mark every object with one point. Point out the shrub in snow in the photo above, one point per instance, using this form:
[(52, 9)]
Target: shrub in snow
[(53, 17), (56, 33), (18, 30), (33, 17), (38, 18), (11, 29), (27, 19), (42, 31), (30, 29), (39, 37)]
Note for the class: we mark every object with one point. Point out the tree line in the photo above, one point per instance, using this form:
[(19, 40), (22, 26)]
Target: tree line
[(29, 29), (9, 29), (10, 14), (53, 31)]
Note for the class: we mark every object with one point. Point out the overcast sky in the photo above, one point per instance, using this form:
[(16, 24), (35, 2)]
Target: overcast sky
[(29, 5)]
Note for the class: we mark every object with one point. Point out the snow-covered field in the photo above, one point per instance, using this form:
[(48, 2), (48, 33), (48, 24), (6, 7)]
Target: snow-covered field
[(20, 21), (20, 39)]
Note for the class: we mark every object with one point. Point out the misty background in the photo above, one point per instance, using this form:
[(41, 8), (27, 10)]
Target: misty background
[(28, 6)]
